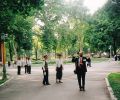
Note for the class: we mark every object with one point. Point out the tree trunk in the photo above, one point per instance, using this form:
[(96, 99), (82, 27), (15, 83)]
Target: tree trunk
[(36, 54), (114, 46), (15, 49), (10, 52), (99, 54), (55, 54)]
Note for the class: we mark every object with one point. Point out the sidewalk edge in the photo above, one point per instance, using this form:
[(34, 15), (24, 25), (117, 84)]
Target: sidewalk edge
[(6, 81), (112, 96)]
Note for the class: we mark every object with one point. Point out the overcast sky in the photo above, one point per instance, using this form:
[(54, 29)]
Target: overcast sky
[(94, 5)]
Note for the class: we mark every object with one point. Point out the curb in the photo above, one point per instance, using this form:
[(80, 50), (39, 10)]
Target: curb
[(112, 96), (6, 81)]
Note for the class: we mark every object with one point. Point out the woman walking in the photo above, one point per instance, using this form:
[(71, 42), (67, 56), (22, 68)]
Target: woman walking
[(88, 61), (59, 69)]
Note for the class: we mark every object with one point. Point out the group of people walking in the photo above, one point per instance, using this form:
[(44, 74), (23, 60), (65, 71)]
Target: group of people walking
[(23, 62), (81, 64)]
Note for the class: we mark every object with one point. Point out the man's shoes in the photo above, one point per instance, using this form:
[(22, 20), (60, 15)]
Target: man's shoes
[(80, 89), (83, 88), (48, 84), (60, 82)]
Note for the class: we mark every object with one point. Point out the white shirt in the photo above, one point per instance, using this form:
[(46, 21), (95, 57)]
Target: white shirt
[(19, 63), (59, 62), (23, 62), (29, 62)]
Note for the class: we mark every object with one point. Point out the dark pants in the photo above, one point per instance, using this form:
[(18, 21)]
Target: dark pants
[(59, 73), (81, 79), (45, 79), (116, 58), (89, 64), (26, 68), (19, 70), (29, 69)]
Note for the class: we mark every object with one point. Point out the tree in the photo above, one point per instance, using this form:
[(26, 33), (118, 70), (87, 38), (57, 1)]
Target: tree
[(104, 28)]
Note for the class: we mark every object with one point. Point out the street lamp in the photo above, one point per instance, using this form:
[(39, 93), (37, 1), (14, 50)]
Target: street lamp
[(2, 39)]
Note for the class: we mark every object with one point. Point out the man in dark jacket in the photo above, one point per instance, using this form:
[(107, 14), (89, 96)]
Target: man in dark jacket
[(81, 70)]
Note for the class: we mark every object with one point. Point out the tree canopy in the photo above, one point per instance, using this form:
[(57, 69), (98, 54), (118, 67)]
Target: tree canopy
[(54, 26)]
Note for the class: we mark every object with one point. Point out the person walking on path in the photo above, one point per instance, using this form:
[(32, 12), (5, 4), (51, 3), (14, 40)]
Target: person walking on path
[(29, 65), (81, 71), (59, 69), (45, 71), (19, 64), (9, 63), (25, 65), (88, 61)]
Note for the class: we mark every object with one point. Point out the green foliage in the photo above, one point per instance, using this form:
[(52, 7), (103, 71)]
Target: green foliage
[(15, 21), (47, 39), (21, 30), (58, 18), (104, 28), (20, 6), (67, 27), (5, 19)]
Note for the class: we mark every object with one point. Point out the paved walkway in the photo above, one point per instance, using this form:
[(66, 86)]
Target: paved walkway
[(29, 87)]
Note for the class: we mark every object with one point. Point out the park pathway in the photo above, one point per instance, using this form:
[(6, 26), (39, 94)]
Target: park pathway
[(29, 87)]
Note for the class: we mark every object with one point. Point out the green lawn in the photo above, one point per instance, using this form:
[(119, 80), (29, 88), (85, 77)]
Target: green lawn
[(114, 79), (99, 59), (52, 62), (69, 61)]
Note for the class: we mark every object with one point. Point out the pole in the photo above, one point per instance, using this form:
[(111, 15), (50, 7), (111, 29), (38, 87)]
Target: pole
[(3, 61)]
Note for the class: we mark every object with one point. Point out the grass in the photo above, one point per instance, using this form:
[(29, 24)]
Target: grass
[(99, 59), (114, 79), (52, 62)]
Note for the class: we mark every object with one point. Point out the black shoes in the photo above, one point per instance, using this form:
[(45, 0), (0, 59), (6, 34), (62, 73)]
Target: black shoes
[(46, 84), (60, 82), (82, 89)]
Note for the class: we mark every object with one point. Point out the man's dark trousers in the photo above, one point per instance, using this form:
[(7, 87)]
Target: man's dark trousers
[(19, 70), (45, 80), (81, 76)]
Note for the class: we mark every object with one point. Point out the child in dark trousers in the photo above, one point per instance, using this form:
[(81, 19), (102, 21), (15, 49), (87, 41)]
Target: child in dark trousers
[(45, 71)]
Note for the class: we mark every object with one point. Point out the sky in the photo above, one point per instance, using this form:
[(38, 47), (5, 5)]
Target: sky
[(94, 5)]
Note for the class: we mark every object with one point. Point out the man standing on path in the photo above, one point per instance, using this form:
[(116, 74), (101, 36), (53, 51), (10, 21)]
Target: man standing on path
[(81, 70)]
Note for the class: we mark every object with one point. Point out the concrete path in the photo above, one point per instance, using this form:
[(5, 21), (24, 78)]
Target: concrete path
[(29, 87)]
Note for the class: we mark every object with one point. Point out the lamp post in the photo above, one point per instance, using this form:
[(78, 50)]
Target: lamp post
[(2, 38)]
